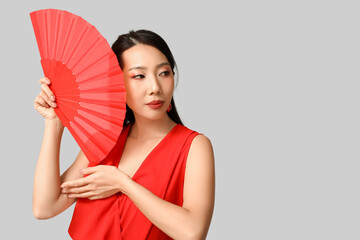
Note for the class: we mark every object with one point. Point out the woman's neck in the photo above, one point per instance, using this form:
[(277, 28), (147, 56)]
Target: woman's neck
[(144, 129)]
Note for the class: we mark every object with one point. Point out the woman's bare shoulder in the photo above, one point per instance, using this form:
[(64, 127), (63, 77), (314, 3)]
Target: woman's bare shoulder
[(200, 144), (200, 156)]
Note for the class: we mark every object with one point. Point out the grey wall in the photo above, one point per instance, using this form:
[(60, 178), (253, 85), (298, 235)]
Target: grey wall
[(273, 84)]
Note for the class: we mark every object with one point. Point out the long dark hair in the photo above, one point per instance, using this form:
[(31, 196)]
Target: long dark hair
[(128, 40)]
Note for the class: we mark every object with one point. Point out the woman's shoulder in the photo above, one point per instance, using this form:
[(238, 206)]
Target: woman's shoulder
[(198, 140), (187, 129), (200, 144)]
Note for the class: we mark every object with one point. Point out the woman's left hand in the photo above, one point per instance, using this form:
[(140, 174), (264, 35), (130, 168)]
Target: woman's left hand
[(102, 181)]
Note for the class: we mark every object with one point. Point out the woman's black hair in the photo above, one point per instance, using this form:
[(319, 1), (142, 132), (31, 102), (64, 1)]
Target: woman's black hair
[(128, 40)]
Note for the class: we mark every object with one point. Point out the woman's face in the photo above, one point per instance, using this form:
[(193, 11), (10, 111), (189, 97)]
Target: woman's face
[(148, 76)]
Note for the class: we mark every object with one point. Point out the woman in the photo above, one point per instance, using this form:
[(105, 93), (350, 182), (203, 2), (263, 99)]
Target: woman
[(159, 180)]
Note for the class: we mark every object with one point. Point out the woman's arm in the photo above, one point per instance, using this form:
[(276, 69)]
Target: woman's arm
[(47, 198), (192, 220)]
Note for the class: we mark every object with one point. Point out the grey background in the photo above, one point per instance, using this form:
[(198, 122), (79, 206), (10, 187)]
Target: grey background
[(273, 84)]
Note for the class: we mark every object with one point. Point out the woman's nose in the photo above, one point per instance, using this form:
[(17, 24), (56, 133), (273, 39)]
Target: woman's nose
[(154, 85)]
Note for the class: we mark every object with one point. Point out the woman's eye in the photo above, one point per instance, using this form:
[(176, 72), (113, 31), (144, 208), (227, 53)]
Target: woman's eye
[(139, 76), (165, 73)]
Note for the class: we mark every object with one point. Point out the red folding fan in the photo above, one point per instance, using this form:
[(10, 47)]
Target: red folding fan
[(85, 77)]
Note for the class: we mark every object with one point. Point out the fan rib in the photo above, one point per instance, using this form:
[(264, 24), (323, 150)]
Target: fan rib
[(57, 33), (67, 38), (94, 140), (115, 87), (91, 64), (112, 120), (85, 53), (101, 75), (91, 156), (67, 102), (107, 133), (46, 35), (119, 104), (77, 44), (62, 117), (66, 92), (92, 146), (68, 110)]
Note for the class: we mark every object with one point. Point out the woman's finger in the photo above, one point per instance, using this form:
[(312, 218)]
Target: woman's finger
[(39, 100), (82, 195), (77, 183), (90, 170), (44, 86), (40, 103), (44, 80), (45, 96), (48, 91), (82, 189)]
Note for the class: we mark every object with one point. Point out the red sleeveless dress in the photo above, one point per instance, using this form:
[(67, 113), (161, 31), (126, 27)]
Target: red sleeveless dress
[(116, 217)]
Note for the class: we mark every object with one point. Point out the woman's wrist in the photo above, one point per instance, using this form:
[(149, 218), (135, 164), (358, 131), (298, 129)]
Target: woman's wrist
[(124, 182), (57, 124)]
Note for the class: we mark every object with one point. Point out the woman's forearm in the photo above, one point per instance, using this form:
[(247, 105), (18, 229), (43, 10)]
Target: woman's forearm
[(47, 179), (174, 220)]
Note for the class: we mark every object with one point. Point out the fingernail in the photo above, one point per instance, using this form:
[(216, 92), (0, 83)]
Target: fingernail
[(54, 104), (52, 98)]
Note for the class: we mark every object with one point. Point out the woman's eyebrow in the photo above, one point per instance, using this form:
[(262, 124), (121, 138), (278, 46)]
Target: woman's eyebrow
[(162, 64), (137, 67), (142, 67)]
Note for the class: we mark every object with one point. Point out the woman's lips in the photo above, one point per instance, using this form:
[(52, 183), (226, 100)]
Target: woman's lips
[(155, 104)]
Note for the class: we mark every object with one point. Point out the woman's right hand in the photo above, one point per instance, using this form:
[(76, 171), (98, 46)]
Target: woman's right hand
[(45, 102)]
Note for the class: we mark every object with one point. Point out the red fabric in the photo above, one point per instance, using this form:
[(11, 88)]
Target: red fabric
[(117, 217)]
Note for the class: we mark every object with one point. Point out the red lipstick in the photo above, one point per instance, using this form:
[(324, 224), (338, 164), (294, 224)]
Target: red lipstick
[(155, 104)]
